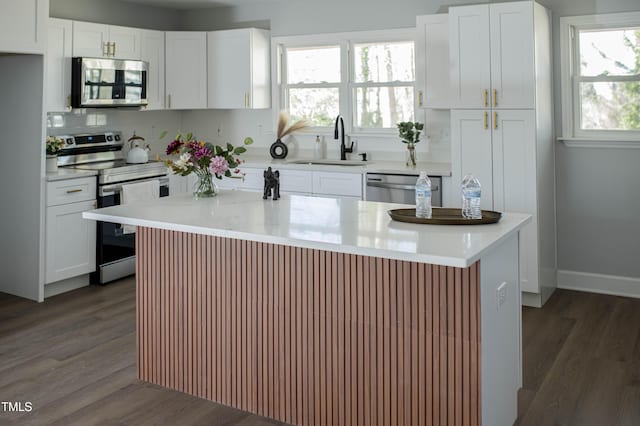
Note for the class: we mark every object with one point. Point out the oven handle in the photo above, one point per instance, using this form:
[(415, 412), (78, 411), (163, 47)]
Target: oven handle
[(107, 190)]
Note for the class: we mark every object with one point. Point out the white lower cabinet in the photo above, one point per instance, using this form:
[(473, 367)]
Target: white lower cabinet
[(337, 184), (292, 181), (296, 182), (70, 239)]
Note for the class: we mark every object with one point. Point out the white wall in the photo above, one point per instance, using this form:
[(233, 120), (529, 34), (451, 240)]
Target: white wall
[(21, 192), (115, 12)]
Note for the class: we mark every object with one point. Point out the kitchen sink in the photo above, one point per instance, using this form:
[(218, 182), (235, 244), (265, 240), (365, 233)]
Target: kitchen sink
[(329, 162)]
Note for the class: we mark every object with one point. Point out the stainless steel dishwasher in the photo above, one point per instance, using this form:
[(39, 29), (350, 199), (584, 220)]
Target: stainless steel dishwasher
[(400, 188)]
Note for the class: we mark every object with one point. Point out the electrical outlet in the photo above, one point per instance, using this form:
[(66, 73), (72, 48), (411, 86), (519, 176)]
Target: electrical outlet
[(501, 295)]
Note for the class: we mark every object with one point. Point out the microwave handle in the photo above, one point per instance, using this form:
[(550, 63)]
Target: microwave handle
[(108, 190)]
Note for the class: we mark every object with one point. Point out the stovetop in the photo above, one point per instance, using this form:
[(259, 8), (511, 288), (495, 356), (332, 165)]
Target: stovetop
[(103, 153), (120, 170)]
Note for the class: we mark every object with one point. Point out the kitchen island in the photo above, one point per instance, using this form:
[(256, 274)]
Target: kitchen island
[(318, 311)]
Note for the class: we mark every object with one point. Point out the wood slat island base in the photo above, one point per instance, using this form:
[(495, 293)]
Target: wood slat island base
[(323, 311), (314, 337)]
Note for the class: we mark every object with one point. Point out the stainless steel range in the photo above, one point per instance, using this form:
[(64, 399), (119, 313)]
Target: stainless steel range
[(102, 152)]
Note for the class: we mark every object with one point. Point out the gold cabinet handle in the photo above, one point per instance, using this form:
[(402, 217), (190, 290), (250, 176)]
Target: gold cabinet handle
[(113, 53), (486, 119), (419, 98), (486, 96), (246, 100), (69, 102), (168, 101), (105, 49), (495, 97), (495, 120), (73, 191)]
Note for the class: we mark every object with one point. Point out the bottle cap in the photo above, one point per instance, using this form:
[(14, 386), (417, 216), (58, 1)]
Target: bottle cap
[(423, 174)]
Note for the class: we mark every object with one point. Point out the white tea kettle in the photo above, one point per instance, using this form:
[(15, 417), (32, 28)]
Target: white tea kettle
[(137, 154)]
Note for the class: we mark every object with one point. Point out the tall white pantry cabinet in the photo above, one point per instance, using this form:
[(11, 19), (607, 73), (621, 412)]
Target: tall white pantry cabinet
[(501, 115)]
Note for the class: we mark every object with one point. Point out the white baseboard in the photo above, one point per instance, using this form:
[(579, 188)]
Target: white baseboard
[(599, 283), (53, 289)]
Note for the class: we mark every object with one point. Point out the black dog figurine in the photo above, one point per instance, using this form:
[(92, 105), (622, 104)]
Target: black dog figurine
[(271, 184)]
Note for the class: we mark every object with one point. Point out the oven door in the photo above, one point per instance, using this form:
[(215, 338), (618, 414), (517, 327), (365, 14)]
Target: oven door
[(115, 251)]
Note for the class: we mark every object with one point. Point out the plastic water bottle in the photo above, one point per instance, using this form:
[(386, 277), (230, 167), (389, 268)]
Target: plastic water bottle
[(471, 193), (423, 196)]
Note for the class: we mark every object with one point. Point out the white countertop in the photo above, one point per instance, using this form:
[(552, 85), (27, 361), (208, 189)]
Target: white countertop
[(433, 168), (68, 173), (340, 225)]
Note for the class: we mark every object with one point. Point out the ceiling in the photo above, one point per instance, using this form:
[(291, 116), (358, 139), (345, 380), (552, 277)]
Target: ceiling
[(192, 4)]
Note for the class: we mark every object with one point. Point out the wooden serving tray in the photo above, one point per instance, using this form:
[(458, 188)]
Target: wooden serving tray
[(444, 216)]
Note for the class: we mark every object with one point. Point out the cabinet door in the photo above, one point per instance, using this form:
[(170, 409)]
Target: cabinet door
[(432, 63), (340, 184), (469, 56), (296, 181), (90, 39), (253, 180), (70, 241), (514, 181), (186, 70), (177, 184), (229, 69), (152, 51), (59, 44), (260, 96), (125, 42), (512, 53), (471, 150), (23, 25)]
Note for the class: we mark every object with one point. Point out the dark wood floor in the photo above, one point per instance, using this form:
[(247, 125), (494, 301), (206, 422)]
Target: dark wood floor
[(73, 357)]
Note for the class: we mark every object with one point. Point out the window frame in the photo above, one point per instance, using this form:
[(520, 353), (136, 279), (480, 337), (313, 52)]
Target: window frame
[(570, 78), (347, 85)]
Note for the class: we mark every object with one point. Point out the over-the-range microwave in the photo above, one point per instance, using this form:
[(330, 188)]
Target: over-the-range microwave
[(100, 83)]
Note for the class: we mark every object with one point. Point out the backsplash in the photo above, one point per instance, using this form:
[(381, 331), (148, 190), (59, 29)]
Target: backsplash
[(148, 124), (222, 126)]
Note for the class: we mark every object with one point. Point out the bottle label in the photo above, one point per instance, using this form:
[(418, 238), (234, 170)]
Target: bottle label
[(423, 193), (472, 194)]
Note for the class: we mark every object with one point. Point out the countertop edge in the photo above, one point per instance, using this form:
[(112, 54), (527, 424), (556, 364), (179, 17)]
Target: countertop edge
[(338, 248)]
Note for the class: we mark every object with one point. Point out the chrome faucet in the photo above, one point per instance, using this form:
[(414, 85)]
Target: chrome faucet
[(343, 148)]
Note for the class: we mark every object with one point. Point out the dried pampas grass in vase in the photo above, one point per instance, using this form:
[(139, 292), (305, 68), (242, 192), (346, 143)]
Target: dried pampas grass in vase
[(278, 149)]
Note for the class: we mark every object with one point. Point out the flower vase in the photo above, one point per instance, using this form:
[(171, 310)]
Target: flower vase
[(205, 187), (411, 155), (51, 163)]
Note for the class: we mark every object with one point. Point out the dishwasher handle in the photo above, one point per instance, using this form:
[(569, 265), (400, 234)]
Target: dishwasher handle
[(434, 187)]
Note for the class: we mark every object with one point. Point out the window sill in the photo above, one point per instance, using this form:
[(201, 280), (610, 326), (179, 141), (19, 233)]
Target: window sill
[(573, 142)]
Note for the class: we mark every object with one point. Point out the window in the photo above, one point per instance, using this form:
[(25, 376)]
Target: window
[(367, 77), (601, 76), (382, 83)]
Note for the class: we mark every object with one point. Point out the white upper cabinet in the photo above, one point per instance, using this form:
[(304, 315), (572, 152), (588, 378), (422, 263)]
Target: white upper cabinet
[(432, 61), (125, 42), (186, 70), (469, 56), (99, 40), (512, 55), (492, 55), (59, 43), (238, 69), (152, 51), (23, 25)]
